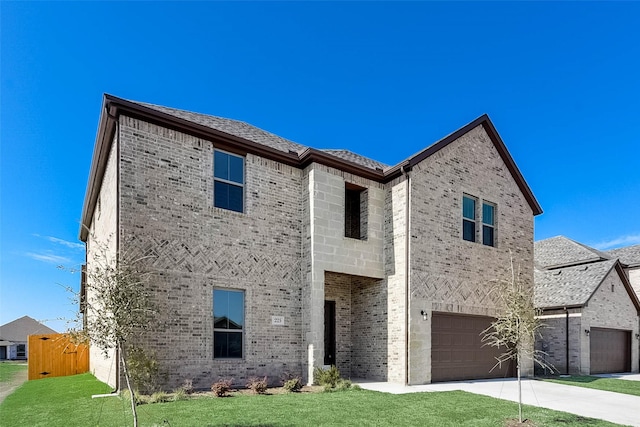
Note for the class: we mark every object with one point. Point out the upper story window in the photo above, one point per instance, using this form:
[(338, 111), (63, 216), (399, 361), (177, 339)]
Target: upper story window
[(355, 212), (469, 218), (228, 181), (228, 323), (488, 223)]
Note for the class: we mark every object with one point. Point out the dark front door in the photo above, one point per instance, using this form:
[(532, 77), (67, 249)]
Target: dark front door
[(3, 352), (329, 332)]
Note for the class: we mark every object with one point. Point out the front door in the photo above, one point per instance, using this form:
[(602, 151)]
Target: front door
[(329, 332)]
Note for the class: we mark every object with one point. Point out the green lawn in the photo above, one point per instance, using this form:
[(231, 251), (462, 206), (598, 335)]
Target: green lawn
[(607, 384), (67, 401), (9, 369)]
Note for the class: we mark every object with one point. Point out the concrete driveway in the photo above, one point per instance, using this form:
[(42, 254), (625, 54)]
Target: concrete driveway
[(615, 407)]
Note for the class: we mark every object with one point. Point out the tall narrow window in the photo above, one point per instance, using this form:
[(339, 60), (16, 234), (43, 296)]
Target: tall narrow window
[(228, 323), (488, 224), (355, 212), (228, 181), (469, 218)]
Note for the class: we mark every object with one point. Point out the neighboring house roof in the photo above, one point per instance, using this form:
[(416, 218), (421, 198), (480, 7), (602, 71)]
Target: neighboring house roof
[(21, 328), (569, 286), (251, 139), (629, 256), (560, 251)]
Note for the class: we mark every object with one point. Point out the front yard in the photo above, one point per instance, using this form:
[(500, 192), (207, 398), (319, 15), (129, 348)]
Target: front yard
[(607, 384), (66, 401)]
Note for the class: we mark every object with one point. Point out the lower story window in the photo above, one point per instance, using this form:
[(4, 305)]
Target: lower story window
[(21, 351), (228, 323)]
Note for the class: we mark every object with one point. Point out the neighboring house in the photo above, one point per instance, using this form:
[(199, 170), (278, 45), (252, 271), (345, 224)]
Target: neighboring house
[(14, 337), (589, 308), (630, 259), (272, 257)]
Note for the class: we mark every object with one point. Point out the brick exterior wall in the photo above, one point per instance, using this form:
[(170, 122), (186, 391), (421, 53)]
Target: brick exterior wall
[(287, 252), (553, 342), (101, 249), (449, 274), (610, 307), (167, 212)]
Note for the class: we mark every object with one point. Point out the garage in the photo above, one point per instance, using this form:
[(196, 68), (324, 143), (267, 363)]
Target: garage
[(610, 350), (457, 352)]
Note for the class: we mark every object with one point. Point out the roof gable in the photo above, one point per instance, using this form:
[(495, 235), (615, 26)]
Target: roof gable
[(575, 285), (20, 329)]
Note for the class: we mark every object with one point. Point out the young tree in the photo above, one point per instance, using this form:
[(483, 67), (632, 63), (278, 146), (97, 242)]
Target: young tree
[(515, 329), (117, 308)]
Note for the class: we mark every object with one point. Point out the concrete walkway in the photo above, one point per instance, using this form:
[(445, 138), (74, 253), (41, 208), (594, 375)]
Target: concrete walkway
[(614, 407)]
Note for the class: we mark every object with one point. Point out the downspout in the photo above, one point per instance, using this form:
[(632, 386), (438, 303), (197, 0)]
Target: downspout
[(406, 271), (567, 338)]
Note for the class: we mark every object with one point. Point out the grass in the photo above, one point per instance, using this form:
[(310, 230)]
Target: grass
[(66, 401), (607, 384), (9, 369)]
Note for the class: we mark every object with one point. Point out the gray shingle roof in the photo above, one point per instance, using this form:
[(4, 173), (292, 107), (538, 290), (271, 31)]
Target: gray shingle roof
[(231, 127), (569, 285), (629, 255), (356, 158), (257, 135), (20, 329), (560, 251)]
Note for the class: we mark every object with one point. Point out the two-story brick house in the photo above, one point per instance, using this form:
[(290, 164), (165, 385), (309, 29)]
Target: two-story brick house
[(272, 257)]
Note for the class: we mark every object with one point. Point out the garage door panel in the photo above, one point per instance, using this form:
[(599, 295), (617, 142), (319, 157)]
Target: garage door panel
[(610, 350), (458, 352)]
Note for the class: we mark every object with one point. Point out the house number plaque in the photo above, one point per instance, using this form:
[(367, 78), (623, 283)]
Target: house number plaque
[(277, 320)]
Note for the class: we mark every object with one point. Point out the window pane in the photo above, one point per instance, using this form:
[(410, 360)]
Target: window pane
[(468, 208), (236, 169), (234, 340), (487, 214), (235, 201), (221, 195), (220, 309), (487, 235), (220, 165), (227, 344), (236, 310), (469, 230)]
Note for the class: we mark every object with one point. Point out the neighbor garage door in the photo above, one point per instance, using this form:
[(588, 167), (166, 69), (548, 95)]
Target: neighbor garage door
[(610, 350), (457, 352)]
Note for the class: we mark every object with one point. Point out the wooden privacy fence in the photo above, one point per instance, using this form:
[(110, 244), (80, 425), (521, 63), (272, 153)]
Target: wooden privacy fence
[(54, 355)]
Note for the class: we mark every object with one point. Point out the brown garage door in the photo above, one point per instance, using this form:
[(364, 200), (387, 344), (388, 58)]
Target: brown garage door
[(610, 350), (457, 352)]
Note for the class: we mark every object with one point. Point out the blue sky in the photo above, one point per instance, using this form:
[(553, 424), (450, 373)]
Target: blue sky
[(560, 81)]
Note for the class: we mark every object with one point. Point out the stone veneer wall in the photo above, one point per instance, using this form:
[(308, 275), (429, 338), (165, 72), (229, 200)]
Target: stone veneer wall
[(167, 212), (609, 308), (449, 274)]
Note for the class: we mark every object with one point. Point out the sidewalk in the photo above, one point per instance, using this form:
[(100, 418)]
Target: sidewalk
[(614, 407)]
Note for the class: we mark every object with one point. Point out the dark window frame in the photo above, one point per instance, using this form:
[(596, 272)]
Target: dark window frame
[(227, 181), (489, 228), (234, 329), (469, 222)]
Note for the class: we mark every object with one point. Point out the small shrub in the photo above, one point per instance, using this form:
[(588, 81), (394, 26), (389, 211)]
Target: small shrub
[(180, 394), (327, 377), (187, 386), (159, 397), (292, 385), (257, 385), (221, 387)]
